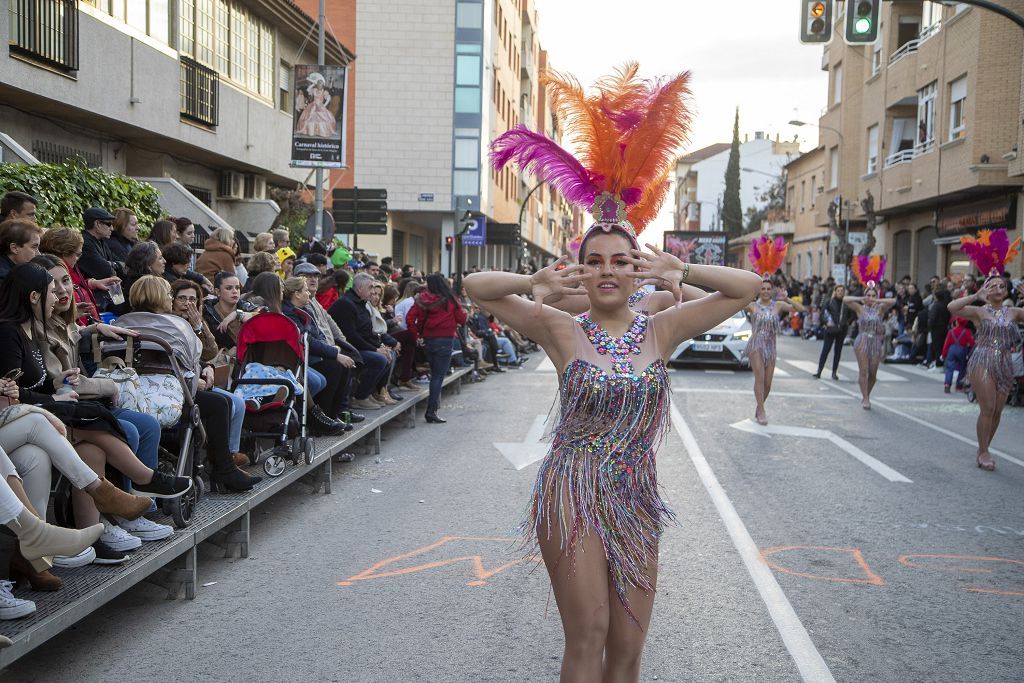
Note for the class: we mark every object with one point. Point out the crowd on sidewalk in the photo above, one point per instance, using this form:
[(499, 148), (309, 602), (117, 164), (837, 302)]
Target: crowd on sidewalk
[(373, 332)]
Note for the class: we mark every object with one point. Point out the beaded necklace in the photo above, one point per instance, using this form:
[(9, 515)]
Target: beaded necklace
[(621, 349)]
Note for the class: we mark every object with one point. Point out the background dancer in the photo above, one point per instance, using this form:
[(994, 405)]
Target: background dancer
[(766, 255), (869, 346), (596, 511), (990, 368)]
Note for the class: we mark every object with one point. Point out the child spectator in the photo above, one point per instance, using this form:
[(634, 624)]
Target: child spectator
[(959, 341)]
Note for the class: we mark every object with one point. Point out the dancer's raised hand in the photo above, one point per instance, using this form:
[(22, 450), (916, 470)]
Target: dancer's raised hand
[(552, 283), (658, 268)]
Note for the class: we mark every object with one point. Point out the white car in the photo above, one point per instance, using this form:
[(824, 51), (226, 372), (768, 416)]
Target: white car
[(722, 345)]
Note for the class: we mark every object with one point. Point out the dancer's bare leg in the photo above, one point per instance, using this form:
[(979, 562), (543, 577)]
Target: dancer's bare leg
[(872, 376), (581, 593), (760, 393), (863, 371), (625, 638), (991, 403), (769, 375)]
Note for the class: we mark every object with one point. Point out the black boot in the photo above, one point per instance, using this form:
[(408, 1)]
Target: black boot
[(321, 425), (232, 480), (434, 419)]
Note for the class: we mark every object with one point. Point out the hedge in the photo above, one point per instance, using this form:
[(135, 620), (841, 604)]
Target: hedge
[(66, 190)]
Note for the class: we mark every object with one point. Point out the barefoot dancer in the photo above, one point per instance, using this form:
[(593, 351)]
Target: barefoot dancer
[(990, 368), (766, 255), (869, 347), (596, 511)]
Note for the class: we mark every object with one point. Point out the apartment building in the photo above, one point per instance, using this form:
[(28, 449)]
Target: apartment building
[(193, 96), (808, 253), (928, 121), (687, 208)]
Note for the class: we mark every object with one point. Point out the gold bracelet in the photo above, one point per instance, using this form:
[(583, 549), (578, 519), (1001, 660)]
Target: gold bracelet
[(686, 273)]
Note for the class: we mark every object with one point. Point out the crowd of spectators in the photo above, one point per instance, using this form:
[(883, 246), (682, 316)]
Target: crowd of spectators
[(374, 332)]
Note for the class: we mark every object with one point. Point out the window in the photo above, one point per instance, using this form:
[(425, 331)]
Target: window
[(204, 32), (466, 183), (151, 17), (837, 84), (467, 152), (931, 18), (873, 149), (803, 195), (45, 30), (833, 168), (814, 189), (876, 56), (957, 108), (925, 118), (469, 15), (467, 100), (284, 79), (223, 36), (467, 70)]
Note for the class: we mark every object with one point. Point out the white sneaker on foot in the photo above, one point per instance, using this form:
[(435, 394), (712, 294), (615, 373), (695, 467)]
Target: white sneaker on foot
[(145, 529), (71, 561), (118, 539), (12, 607)]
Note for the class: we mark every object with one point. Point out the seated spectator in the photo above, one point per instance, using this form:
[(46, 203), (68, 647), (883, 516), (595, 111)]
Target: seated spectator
[(263, 242), (125, 235), (319, 260), (19, 243), (178, 257), (152, 294), (379, 319), (184, 231), (281, 239), (408, 291), (331, 287), (226, 314), (218, 254), (97, 262), (329, 369), (260, 262), (66, 244), (16, 205), (353, 318), (286, 257), (145, 258), (163, 233)]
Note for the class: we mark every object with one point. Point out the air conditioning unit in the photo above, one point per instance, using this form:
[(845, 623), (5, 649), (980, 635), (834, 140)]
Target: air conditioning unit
[(255, 186), (232, 185)]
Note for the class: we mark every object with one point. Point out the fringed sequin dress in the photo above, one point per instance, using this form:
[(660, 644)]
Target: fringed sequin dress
[(992, 355), (870, 333), (599, 477), (766, 327)]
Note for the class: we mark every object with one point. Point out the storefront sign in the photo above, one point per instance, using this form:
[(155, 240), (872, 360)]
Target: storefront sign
[(318, 123), (967, 218), (702, 247)]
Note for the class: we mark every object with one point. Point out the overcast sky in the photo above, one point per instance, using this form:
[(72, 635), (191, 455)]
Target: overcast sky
[(743, 53)]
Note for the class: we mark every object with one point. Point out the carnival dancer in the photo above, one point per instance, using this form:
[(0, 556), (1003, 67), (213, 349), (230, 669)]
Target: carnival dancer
[(869, 346), (990, 368), (596, 511), (766, 255)]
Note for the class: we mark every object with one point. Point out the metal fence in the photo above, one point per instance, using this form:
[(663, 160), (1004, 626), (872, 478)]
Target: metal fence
[(46, 31), (199, 92)]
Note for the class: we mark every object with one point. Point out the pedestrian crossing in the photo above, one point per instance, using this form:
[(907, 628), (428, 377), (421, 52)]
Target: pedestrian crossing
[(848, 373)]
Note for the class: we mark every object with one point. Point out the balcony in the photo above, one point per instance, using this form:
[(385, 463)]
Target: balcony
[(908, 155), (199, 90), (46, 31), (908, 48)]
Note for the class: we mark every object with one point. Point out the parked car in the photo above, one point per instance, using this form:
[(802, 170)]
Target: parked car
[(722, 345)]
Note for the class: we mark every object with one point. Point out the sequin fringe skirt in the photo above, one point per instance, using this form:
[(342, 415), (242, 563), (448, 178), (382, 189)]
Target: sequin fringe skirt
[(763, 344), (992, 363), (872, 345), (615, 500)]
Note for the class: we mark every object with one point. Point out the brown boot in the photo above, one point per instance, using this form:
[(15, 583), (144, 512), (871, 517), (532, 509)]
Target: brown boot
[(111, 500), (241, 459), (40, 581)]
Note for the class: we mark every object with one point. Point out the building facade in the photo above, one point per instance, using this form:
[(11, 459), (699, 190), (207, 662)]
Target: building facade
[(923, 120), (808, 253), (191, 95)]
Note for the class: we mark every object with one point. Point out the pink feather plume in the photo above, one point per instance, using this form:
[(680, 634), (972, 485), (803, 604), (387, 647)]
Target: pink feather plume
[(540, 156)]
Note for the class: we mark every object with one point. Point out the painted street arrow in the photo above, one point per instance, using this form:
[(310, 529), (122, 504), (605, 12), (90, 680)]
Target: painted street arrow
[(807, 432), (529, 451)]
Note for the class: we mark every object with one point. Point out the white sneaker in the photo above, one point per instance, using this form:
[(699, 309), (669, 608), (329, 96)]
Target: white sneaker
[(71, 561), (145, 529), (12, 607), (118, 539), (422, 380)]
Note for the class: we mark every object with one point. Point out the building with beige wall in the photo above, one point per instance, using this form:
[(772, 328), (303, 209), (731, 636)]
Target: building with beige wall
[(808, 253), (925, 122)]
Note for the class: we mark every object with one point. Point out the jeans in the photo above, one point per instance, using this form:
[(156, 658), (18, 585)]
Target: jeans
[(832, 338), (956, 359), (335, 386), (315, 381), (143, 433), (439, 355), (237, 417), (375, 366), (506, 346)]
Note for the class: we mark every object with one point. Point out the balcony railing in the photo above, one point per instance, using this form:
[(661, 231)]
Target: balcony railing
[(199, 92), (909, 155), (908, 48), (46, 31), (929, 31)]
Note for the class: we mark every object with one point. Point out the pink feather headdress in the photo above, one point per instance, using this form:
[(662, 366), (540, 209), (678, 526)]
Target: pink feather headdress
[(628, 134), (766, 254), (990, 251), (869, 270)]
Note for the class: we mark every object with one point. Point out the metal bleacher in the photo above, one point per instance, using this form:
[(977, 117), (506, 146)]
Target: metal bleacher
[(222, 519)]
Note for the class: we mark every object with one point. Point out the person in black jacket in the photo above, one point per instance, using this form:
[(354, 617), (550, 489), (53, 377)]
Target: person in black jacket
[(98, 263), (19, 243), (835, 319), (353, 319), (125, 234)]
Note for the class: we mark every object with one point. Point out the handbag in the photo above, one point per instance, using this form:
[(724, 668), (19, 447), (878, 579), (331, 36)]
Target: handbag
[(130, 394), (158, 395)]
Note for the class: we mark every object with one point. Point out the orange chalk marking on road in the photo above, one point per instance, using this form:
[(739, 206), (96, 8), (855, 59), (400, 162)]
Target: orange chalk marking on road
[(908, 561), (870, 577), (480, 572)]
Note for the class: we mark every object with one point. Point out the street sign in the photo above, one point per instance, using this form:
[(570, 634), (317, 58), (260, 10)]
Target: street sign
[(328, 226), (476, 236), (360, 211), (426, 197)]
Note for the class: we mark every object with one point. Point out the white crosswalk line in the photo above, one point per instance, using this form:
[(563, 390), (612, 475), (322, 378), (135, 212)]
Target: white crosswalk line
[(779, 372), (882, 375), (811, 367), (920, 372)]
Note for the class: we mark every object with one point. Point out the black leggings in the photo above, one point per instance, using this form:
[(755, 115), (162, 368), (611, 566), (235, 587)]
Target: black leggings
[(831, 339), (215, 413), (331, 398)]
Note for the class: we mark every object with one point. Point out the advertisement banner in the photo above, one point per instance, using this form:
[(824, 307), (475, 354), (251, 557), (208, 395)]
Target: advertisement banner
[(700, 247), (318, 122), (476, 236)]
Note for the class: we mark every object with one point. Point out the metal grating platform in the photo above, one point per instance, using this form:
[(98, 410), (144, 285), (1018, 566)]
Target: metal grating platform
[(88, 588)]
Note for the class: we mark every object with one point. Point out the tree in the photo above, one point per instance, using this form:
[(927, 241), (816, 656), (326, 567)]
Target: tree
[(771, 204), (732, 211)]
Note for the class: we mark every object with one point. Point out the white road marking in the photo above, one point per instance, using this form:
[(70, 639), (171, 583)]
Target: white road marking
[(882, 375), (801, 648), (811, 367), (920, 372), (779, 372), (785, 430), (941, 430), (545, 366), (720, 372), (528, 451), (748, 392)]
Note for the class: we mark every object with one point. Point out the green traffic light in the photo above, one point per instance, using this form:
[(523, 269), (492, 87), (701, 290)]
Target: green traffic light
[(862, 25)]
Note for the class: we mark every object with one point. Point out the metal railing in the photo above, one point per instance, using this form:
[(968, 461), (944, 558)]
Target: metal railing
[(908, 48), (200, 87), (929, 31), (903, 157), (46, 31), (924, 147)]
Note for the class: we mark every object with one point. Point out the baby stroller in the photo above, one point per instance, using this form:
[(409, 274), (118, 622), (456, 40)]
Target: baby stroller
[(168, 347), (271, 346)]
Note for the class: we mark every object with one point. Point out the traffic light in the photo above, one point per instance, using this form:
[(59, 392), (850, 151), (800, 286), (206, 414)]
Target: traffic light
[(862, 21), (449, 242), (815, 21)]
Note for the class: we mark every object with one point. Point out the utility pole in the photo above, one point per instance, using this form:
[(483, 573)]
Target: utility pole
[(318, 196)]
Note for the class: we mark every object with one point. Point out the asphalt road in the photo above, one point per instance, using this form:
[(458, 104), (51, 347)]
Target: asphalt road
[(870, 549)]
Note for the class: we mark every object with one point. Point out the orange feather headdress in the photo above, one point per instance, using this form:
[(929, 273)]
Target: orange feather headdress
[(627, 134), (766, 254), (990, 251)]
